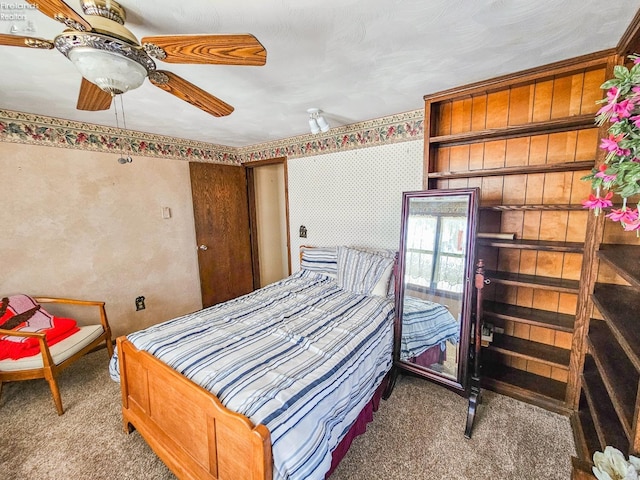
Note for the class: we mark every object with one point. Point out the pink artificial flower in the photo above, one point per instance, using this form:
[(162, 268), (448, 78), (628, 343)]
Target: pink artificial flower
[(605, 178), (636, 120), (612, 94), (598, 203), (611, 145), (622, 110), (624, 215), (609, 108), (630, 227), (612, 97)]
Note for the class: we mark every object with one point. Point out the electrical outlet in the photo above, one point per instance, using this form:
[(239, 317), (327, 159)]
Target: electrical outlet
[(140, 303)]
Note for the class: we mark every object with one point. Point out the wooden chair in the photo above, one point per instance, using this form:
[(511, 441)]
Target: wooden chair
[(52, 360)]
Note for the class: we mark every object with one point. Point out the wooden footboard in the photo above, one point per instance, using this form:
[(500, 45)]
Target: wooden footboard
[(187, 426)]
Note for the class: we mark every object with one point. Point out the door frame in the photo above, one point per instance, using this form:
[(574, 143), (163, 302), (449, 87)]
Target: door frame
[(251, 197)]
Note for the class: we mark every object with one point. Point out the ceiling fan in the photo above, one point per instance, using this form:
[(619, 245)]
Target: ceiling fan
[(112, 61)]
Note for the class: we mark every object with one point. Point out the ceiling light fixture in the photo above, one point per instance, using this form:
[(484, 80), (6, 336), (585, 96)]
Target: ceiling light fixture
[(112, 61), (317, 122)]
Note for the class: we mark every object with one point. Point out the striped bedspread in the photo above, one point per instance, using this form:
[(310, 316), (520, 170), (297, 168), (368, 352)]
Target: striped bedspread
[(300, 356), (425, 324)]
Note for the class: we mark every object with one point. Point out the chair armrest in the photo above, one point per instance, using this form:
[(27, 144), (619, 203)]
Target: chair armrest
[(47, 360), (86, 303), (21, 334)]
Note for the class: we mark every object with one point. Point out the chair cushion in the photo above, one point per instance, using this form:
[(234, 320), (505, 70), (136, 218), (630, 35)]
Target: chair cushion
[(59, 352)]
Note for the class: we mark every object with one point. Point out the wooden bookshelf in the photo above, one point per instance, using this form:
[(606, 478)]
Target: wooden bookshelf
[(526, 386), (493, 311), (526, 141), (617, 373), (528, 350), (520, 170), (534, 281), (618, 257), (537, 245), (546, 127), (605, 420), (620, 306)]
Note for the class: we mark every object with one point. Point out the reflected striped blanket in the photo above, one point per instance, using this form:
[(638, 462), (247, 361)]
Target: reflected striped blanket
[(300, 356), (425, 324)]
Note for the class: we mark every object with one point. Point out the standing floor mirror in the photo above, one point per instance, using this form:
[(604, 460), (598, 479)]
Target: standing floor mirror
[(435, 285)]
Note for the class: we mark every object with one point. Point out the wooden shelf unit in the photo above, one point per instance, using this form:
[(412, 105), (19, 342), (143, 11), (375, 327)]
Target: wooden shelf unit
[(496, 313), (568, 285), (534, 281), (570, 123), (538, 245), (540, 352), (522, 385), (494, 172), (526, 140), (611, 374)]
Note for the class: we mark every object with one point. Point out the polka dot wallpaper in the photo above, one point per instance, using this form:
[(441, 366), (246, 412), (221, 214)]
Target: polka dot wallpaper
[(352, 197)]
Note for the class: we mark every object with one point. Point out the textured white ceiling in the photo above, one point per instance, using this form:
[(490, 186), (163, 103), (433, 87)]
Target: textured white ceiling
[(355, 59)]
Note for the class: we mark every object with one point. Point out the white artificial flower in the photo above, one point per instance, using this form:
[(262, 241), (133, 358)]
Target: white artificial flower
[(635, 461), (611, 465)]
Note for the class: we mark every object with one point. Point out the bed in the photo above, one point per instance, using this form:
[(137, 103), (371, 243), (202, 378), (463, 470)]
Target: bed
[(268, 385), (426, 328)]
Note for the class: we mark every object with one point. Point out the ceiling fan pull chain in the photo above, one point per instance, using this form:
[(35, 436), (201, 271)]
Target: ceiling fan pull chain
[(123, 158)]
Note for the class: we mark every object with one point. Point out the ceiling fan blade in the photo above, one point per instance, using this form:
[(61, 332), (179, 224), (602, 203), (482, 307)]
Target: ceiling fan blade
[(60, 11), (92, 97), (20, 41), (243, 49), (178, 86)]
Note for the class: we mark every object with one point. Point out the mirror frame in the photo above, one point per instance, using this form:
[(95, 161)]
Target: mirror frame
[(461, 383)]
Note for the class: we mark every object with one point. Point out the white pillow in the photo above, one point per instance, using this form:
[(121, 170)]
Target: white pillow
[(383, 288), (360, 272), (386, 286)]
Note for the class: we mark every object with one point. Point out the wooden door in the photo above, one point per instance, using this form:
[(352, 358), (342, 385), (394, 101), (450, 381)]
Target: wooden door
[(221, 215)]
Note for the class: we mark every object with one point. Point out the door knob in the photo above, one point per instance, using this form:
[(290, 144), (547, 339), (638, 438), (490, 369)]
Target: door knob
[(203, 247)]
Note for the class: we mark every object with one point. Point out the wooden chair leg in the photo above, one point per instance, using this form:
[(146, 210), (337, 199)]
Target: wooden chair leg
[(53, 385), (109, 348)]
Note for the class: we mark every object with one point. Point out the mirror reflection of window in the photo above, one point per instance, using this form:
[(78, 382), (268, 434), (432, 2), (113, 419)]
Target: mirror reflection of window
[(436, 239)]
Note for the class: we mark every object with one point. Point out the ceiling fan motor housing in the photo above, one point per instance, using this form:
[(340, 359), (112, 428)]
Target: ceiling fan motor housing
[(104, 8)]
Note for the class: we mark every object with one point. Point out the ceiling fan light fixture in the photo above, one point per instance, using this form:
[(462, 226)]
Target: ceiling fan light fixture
[(110, 71)]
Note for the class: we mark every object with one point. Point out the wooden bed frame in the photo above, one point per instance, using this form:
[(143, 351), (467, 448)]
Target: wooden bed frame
[(186, 425)]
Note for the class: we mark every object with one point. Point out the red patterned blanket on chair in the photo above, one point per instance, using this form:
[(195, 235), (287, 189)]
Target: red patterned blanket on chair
[(22, 313)]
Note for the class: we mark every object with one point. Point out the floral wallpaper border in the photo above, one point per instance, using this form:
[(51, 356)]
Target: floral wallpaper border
[(18, 127), (392, 129)]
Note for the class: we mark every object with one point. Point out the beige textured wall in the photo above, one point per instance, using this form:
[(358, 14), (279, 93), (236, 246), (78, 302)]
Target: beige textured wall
[(79, 224)]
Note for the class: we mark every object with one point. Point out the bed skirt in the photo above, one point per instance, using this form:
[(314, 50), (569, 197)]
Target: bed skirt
[(359, 426)]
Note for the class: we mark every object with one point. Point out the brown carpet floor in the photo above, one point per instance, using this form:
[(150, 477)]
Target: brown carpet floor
[(417, 434)]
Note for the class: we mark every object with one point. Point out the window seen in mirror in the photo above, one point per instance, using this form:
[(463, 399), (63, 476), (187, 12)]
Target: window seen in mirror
[(435, 252)]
